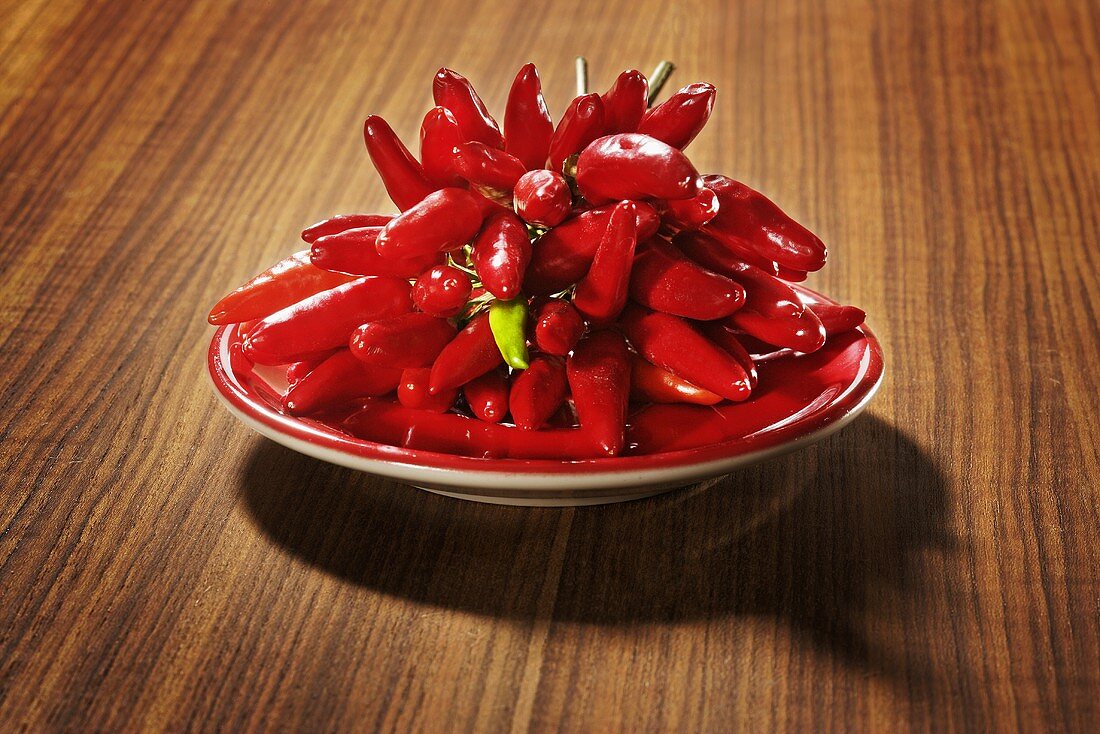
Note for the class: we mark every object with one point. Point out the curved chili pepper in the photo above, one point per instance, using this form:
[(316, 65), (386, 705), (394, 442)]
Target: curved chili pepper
[(557, 327), (444, 220), (774, 313), (723, 257), (538, 392), (285, 283), (408, 340), (580, 125), (402, 176), (442, 291), (652, 384), (336, 382), (508, 322), (353, 251), (298, 370), (501, 253), (487, 396), (750, 218), (837, 319), (325, 320), (791, 276), (342, 223), (413, 392), (599, 378), (724, 337), (634, 166), (692, 213), (563, 255), (542, 197), (674, 344), (664, 280), (439, 136), (625, 103), (471, 354), (679, 118), (601, 294), (488, 168), (527, 123), (454, 91)]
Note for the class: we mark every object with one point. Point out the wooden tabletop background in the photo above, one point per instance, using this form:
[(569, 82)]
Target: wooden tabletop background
[(935, 565)]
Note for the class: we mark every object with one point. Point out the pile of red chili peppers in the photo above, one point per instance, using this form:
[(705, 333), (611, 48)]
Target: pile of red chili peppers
[(538, 282)]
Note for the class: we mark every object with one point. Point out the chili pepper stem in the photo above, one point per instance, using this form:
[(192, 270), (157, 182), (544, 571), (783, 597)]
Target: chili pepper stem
[(658, 79), (582, 76)]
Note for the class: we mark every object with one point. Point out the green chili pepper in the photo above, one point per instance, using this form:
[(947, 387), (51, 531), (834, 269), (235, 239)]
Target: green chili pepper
[(508, 321)]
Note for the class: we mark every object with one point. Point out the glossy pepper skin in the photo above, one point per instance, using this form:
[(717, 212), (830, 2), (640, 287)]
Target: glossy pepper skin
[(538, 392), (599, 378), (563, 255), (335, 382), (725, 337), (527, 123), (413, 392), (692, 213), (501, 253), (625, 103), (580, 125), (342, 223), (679, 118), (442, 291), (285, 283), (508, 322), (440, 135), (838, 319), (401, 174), (601, 294), (652, 384), (774, 313), (444, 220), (454, 92), (664, 280), (353, 251), (542, 197), (723, 257), (674, 344), (633, 166), (471, 354), (487, 396), (748, 217), (408, 340), (557, 327), (325, 320), (488, 168)]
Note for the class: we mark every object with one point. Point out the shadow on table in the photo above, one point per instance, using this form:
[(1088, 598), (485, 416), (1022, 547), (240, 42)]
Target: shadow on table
[(832, 540)]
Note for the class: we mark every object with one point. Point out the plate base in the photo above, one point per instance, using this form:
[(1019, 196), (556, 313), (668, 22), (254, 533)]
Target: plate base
[(564, 501)]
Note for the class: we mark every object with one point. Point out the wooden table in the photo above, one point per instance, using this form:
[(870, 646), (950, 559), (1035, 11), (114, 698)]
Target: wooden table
[(933, 566)]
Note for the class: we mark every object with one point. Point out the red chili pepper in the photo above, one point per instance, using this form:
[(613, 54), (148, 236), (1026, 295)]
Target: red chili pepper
[(454, 91), (679, 118), (538, 392), (488, 168), (838, 319), (402, 176), (601, 294), (674, 344), (487, 395), (791, 276), (298, 370), (413, 392), (284, 283), (408, 340), (542, 197), (750, 218), (633, 166), (325, 320), (353, 251), (471, 354), (501, 253), (336, 382), (724, 337), (625, 103), (664, 280), (442, 291), (439, 136), (580, 125), (692, 213), (527, 123), (563, 255), (556, 327), (723, 257), (774, 313), (599, 378), (652, 384), (342, 223), (444, 220)]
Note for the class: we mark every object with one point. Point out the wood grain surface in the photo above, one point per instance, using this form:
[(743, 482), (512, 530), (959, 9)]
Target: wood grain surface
[(932, 567)]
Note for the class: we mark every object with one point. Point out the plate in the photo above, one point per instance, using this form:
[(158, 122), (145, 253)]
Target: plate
[(797, 402)]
